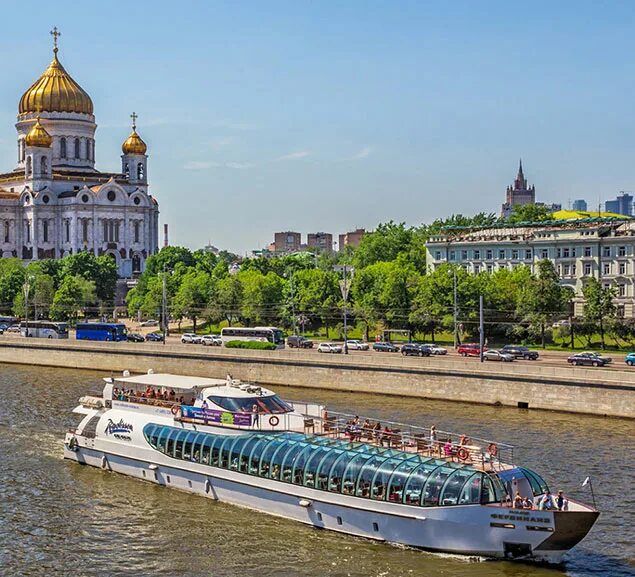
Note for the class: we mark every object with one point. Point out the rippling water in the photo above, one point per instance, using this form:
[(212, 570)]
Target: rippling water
[(59, 518)]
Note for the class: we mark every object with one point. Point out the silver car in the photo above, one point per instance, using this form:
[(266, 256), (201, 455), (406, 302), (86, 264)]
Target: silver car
[(329, 348), (494, 355), (356, 345), (436, 349)]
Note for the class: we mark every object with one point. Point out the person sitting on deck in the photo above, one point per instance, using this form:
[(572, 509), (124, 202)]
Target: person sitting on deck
[(366, 429), (463, 440), (527, 504), (518, 501), (448, 448), (377, 431), (386, 436), (546, 502), (561, 502), (172, 395)]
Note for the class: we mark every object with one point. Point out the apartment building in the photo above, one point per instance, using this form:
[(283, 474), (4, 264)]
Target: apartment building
[(604, 249)]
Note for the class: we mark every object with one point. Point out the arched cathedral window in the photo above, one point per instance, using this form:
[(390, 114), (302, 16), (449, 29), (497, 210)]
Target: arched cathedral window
[(62, 147), (6, 231), (77, 148), (140, 171), (126, 170), (45, 230), (43, 165), (29, 166)]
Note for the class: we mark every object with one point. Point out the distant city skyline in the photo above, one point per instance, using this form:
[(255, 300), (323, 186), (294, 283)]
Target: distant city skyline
[(335, 116)]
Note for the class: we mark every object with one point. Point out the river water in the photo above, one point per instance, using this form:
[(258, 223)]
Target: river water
[(59, 518)]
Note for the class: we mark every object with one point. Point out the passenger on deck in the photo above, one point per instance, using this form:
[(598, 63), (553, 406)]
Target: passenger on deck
[(527, 504), (433, 438), (386, 436), (377, 431), (366, 429), (546, 502), (255, 410), (448, 448), (518, 501), (561, 502), (463, 440)]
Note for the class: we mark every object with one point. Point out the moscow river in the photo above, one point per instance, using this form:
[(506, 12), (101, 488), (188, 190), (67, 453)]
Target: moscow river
[(59, 518)]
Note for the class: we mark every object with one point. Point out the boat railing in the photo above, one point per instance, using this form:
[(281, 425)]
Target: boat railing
[(457, 447)]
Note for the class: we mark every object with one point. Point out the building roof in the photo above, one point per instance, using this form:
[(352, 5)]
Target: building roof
[(582, 214)]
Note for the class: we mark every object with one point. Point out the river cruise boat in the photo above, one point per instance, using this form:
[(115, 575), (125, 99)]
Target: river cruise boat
[(242, 444)]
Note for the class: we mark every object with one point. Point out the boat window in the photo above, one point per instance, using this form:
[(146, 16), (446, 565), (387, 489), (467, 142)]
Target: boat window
[(236, 450), (471, 492), (206, 450), (162, 439), (254, 456), (434, 484), (187, 446), (311, 469), (243, 458), (298, 476), (277, 458), (400, 476), (538, 485), (382, 475), (415, 492), (265, 459), (216, 445), (352, 472), (169, 444), (366, 474), (452, 489), (289, 461), (337, 471), (272, 404), (488, 494), (178, 443), (225, 448), (195, 455)]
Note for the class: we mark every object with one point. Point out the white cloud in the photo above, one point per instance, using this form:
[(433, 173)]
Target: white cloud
[(239, 165), (295, 155), (198, 165), (363, 153)]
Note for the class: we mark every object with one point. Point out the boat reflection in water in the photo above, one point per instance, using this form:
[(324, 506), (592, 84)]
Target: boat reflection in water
[(242, 444)]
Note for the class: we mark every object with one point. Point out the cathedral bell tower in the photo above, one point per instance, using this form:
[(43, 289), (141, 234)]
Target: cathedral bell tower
[(38, 156), (134, 160)]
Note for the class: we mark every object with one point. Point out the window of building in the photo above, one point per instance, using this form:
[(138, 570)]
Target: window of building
[(606, 285), (558, 252), (559, 270), (490, 268), (45, 230), (463, 255), (501, 253), (28, 230), (43, 165), (622, 268), (140, 172), (67, 231), (489, 254), (477, 268), (84, 230), (587, 269), (77, 148), (544, 253), (29, 166), (619, 310), (528, 254), (621, 290), (477, 255), (573, 254), (606, 268), (136, 230), (514, 254), (437, 254), (6, 231), (565, 253), (62, 147), (606, 251), (587, 251), (566, 270), (621, 251), (452, 255)]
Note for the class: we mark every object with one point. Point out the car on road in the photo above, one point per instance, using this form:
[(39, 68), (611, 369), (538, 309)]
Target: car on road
[(155, 337), (589, 359), (135, 338), (211, 340), (494, 355), (299, 342), (329, 348), (435, 349), (13, 329), (415, 350), (191, 338), (521, 352), (385, 347), (470, 350), (630, 359), (357, 345), (149, 323)]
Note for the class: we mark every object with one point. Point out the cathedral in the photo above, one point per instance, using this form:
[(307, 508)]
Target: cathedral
[(55, 202)]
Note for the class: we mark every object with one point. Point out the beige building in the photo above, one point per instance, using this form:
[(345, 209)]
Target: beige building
[(352, 238), (320, 240), (285, 242), (579, 249)]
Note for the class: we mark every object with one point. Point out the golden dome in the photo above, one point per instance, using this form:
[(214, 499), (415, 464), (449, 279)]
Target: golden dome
[(55, 91), (134, 144), (38, 136)]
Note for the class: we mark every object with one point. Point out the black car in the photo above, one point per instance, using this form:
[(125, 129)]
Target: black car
[(300, 342), (415, 350), (155, 337), (520, 352), (135, 338), (589, 359), (385, 347)]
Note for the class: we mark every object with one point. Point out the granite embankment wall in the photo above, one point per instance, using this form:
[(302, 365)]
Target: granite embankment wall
[(579, 390)]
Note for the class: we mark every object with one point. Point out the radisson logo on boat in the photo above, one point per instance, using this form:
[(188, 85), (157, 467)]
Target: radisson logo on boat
[(120, 430)]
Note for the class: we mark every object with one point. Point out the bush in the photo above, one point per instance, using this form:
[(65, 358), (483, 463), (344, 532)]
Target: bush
[(254, 345)]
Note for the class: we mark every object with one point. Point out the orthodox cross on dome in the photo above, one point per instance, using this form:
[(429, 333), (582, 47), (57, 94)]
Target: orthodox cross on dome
[(55, 33), (134, 117)]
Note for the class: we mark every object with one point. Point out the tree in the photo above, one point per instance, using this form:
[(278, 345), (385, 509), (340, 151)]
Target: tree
[(227, 300), (101, 270), (599, 308), (262, 296), (41, 293), (383, 245), (317, 294), (530, 213), (73, 294), (192, 295), (542, 298), (12, 275)]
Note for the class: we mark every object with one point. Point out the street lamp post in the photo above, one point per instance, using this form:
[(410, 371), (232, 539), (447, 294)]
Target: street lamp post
[(27, 289), (164, 306), (456, 335), (344, 286)]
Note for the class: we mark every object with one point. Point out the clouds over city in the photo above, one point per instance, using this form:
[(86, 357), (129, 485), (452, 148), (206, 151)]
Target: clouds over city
[(294, 155)]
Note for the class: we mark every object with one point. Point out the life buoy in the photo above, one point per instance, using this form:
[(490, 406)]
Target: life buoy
[(492, 449), (463, 454), (175, 409), (274, 421)]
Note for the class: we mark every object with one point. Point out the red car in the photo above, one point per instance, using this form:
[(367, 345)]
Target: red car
[(470, 350)]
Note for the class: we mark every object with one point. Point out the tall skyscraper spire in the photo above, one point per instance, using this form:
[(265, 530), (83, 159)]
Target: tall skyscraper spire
[(521, 176)]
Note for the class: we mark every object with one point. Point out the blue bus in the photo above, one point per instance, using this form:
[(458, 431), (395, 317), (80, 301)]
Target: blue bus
[(101, 332)]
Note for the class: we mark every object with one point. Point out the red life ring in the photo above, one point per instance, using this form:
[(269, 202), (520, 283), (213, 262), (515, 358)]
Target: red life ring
[(174, 409), (492, 449), (463, 454), (274, 421)]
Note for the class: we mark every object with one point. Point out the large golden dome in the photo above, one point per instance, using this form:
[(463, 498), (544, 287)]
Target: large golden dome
[(55, 91), (134, 144), (38, 136)]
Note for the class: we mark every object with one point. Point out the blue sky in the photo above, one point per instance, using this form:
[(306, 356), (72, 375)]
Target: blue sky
[(332, 115)]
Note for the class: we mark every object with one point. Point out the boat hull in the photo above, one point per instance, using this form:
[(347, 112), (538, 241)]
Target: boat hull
[(477, 530)]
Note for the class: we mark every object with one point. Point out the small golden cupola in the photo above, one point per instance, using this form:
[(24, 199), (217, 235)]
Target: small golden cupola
[(38, 136), (55, 91), (134, 143)]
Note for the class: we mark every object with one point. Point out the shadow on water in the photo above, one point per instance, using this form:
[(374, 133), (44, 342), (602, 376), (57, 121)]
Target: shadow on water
[(60, 518)]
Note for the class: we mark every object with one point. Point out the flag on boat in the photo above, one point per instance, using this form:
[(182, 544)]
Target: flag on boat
[(586, 481)]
